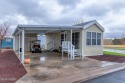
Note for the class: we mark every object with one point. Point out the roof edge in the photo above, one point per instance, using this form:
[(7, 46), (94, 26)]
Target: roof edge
[(92, 23)]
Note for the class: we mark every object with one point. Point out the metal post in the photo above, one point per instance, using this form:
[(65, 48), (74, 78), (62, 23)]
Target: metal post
[(52, 42), (14, 45), (71, 44), (23, 39), (82, 32), (19, 47)]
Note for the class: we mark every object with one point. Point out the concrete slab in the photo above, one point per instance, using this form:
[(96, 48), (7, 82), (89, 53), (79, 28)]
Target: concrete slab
[(52, 69)]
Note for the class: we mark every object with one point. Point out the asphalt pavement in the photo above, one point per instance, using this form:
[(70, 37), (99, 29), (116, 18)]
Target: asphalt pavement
[(115, 77)]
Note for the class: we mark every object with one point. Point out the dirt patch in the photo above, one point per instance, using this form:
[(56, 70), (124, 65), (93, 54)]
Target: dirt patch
[(110, 58), (11, 68)]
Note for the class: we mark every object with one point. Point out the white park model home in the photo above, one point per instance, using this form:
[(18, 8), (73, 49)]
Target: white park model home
[(85, 39)]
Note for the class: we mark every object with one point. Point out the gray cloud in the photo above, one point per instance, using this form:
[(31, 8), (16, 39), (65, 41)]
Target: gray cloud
[(30, 9), (71, 3), (116, 5), (118, 28), (95, 10), (36, 13), (113, 35), (115, 31), (6, 8)]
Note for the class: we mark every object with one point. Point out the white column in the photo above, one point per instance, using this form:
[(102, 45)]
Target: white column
[(14, 45), (19, 47), (82, 49), (71, 43), (53, 42), (23, 39)]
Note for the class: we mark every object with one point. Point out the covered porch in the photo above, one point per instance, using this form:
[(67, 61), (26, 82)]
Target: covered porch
[(26, 33)]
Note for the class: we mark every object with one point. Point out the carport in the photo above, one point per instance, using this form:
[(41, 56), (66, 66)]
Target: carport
[(25, 33)]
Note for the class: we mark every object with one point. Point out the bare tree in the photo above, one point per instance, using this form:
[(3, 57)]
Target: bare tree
[(4, 30)]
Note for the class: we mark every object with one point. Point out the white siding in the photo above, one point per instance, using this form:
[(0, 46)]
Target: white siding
[(93, 50)]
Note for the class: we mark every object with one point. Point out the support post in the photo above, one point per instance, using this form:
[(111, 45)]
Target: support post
[(19, 47), (53, 42), (23, 39), (82, 36), (71, 44), (62, 52), (14, 45)]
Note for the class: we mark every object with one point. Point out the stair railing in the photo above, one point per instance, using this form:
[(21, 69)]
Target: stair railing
[(68, 47), (50, 46)]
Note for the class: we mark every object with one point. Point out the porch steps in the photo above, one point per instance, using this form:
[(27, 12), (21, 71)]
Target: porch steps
[(68, 47), (76, 53)]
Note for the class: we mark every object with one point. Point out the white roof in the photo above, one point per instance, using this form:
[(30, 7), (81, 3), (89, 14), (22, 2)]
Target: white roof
[(86, 25), (45, 28)]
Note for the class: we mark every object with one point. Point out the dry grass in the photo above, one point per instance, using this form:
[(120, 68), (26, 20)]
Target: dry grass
[(119, 47), (115, 46)]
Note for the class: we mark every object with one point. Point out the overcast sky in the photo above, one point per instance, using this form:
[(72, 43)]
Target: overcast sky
[(109, 13)]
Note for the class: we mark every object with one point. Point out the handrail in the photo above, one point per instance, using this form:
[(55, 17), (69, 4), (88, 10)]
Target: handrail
[(50, 42), (70, 48), (71, 44), (50, 45)]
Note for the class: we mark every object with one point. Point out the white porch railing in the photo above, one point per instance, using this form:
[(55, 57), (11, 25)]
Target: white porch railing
[(50, 46), (68, 47)]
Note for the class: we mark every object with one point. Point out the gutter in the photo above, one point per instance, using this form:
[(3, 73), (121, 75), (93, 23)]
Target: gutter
[(17, 29)]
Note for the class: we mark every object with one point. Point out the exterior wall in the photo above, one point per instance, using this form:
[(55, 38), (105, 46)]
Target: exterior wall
[(80, 40), (92, 50), (83, 48), (47, 40), (57, 39), (28, 38)]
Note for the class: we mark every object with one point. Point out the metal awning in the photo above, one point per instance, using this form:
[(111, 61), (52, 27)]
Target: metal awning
[(44, 28)]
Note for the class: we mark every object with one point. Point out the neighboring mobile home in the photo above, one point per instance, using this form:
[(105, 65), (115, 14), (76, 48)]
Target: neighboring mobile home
[(85, 39), (7, 42)]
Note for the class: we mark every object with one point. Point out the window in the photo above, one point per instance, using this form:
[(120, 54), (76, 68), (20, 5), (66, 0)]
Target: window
[(88, 38), (98, 38), (75, 39), (62, 38), (93, 38), (8, 40)]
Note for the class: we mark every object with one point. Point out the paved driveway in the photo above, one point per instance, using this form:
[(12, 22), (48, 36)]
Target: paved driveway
[(116, 77), (114, 50), (49, 67)]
